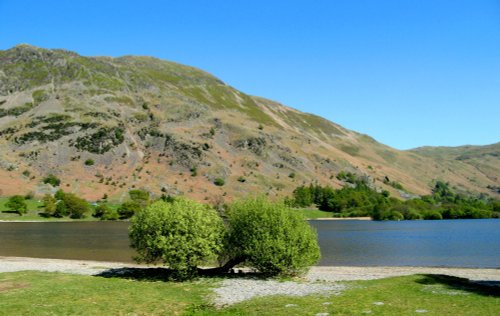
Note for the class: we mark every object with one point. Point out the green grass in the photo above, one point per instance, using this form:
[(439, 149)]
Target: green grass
[(313, 213), (38, 293), (400, 296), (42, 293)]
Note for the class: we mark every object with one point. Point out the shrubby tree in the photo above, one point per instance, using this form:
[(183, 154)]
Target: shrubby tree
[(49, 205), (76, 207), (270, 237), (139, 196), (128, 209), (182, 234), (104, 212), (52, 180), (17, 203)]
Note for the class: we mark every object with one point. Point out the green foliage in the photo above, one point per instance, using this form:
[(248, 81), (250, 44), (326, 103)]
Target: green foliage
[(128, 209), (89, 162), (194, 171), (271, 237), (182, 234), (104, 212), (17, 203), (219, 182), (347, 177), (52, 180), (49, 205), (16, 111), (39, 96), (101, 141), (394, 184), (241, 179), (75, 206), (61, 209), (359, 199), (140, 197)]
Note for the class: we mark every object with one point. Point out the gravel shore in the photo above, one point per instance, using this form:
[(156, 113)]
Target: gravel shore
[(233, 290)]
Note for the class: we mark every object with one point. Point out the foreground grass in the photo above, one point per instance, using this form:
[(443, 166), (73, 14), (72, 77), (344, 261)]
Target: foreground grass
[(410, 295), (41, 293), (38, 293)]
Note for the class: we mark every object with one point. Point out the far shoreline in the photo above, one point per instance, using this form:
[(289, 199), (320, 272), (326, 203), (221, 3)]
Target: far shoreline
[(341, 219)]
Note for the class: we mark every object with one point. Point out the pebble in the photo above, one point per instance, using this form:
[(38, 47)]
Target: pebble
[(233, 291), (291, 305), (327, 303), (322, 314), (421, 311), (366, 311), (378, 303)]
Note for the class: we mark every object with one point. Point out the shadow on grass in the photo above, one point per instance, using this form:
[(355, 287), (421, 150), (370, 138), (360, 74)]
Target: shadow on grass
[(10, 212), (485, 288), (165, 274)]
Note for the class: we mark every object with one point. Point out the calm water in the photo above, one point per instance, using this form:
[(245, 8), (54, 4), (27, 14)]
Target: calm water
[(458, 243)]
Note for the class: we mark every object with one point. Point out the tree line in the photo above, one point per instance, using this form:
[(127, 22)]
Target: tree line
[(358, 198)]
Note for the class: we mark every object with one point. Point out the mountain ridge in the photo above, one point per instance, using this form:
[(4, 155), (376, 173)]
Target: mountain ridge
[(173, 129)]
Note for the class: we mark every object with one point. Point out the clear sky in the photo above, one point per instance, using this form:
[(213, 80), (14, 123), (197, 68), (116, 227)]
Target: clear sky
[(407, 72)]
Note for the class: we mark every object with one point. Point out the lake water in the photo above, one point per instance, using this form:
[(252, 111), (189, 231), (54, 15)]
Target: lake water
[(447, 243)]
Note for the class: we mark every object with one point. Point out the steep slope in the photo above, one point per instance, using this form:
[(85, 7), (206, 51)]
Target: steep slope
[(106, 125)]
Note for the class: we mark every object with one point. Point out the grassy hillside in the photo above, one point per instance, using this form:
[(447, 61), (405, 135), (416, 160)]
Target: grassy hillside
[(106, 125)]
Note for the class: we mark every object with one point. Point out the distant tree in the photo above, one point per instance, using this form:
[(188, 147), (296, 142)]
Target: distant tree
[(139, 196), (128, 209), (61, 209), (17, 203), (89, 162), (52, 180), (302, 196), (104, 212), (219, 182), (59, 195), (75, 206), (49, 205)]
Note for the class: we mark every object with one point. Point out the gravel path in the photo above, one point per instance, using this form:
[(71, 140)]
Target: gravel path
[(318, 280)]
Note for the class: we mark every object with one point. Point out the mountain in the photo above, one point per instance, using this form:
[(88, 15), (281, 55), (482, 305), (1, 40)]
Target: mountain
[(106, 125)]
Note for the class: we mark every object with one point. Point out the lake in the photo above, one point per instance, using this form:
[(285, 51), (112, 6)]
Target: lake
[(446, 243)]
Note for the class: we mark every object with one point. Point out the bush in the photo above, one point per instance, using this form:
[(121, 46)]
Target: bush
[(17, 203), (271, 237), (139, 196), (61, 209), (128, 209), (75, 206), (89, 162), (105, 213), (52, 180), (49, 205), (219, 182), (182, 234)]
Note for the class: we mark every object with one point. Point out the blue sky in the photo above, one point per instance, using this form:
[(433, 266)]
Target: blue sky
[(407, 72)]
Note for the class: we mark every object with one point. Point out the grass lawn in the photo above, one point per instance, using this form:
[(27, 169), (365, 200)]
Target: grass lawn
[(42, 293)]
